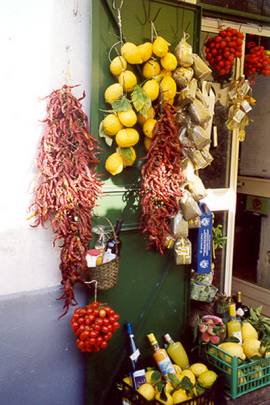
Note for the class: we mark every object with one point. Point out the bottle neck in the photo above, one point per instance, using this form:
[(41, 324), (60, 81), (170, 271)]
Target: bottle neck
[(239, 297)]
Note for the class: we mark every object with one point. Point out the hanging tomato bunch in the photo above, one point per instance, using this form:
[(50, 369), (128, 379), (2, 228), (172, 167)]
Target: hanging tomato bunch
[(256, 60), (94, 326), (221, 50)]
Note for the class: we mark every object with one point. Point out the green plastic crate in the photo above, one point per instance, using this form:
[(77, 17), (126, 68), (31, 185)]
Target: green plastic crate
[(240, 377)]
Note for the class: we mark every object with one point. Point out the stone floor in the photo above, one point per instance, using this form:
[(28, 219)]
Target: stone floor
[(257, 397)]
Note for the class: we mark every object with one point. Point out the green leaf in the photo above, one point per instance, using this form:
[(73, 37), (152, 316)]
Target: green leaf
[(140, 100), (156, 377), (232, 339), (123, 104), (108, 139), (174, 380), (126, 153), (163, 395), (186, 384), (160, 385), (199, 389)]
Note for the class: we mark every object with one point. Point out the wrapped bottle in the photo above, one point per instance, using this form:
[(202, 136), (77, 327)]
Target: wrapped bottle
[(161, 357), (177, 352), (234, 324), (137, 373), (114, 243)]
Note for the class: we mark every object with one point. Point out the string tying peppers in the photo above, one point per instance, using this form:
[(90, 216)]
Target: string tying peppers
[(161, 181), (68, 185)]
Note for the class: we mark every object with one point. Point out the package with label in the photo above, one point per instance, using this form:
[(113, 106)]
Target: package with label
[(201, 69), (188, 94), (183, 76), (199, 136), (199, 113), (179, 225), (196, 187), (189, 206), (183, 251), (183, 52)]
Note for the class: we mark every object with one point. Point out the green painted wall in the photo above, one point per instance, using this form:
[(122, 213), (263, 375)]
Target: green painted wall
[(152, 291)]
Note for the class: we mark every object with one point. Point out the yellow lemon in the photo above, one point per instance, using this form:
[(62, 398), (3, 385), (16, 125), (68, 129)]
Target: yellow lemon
[(233, 349), (147, 391), (128, 80), (177, 368), (198, 368), (127, 137), (118, 65), (168, 87), (111, 124), (168, 401), (145, 51), (128, 381), (131, 53), (148, 127), (189, 374), (151, 69), (179, 396), (151, 88), (248, 331), (147, 142), (150, 114), (114, 164), (148, 375), (128, 155), (251, 347), (127, 118), (207, 379), (169, 62), (160, 46), (113, 93), (168, 388)]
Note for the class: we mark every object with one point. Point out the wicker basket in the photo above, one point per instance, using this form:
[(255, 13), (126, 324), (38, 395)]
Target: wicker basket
[(106, 274)]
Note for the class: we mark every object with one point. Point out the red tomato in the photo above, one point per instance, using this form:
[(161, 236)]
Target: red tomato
[(116, 317), (116, 325), (106, 321), (100, 339), (104, 329), (93, 333), (218, 38), (102, 313), (97, 327), (84, 335), (103, 345), (92, 341), (99, 321), (108, 336)]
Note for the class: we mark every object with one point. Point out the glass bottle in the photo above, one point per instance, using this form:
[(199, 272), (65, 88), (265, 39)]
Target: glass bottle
[(161, 357), (241, 310), (137, 373), (234, 324), (177, 352)]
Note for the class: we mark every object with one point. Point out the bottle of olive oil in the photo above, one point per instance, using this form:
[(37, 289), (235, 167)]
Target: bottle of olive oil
[(234, 324)]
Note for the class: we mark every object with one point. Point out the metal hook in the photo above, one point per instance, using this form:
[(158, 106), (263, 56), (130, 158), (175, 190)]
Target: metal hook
[(120, 5)]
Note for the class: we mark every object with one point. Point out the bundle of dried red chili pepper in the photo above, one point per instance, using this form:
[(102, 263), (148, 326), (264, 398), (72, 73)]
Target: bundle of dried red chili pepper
[(68, 185), (161, 181)]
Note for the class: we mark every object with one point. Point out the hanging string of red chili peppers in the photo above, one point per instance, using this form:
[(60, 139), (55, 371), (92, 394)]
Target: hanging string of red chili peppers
[(68, 185), (161, 181)]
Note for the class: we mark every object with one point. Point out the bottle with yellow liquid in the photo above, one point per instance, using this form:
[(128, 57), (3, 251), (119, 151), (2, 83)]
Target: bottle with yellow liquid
[(234, 324), (177, 352), (161, 357)]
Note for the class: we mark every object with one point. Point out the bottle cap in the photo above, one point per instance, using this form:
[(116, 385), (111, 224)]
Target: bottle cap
[(167, 337), (129, 328), (152, 338)]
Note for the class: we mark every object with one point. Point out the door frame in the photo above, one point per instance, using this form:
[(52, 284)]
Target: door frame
[(225, 199)]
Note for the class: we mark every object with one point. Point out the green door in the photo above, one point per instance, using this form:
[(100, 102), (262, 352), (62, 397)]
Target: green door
[(152, 292)]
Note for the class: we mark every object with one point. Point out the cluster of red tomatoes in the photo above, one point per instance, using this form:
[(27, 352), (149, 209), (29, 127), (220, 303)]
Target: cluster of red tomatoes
[(256, 61), (94, 325), (221, 50)]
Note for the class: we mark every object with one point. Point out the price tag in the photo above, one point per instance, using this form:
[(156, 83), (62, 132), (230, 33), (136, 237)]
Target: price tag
[(134, 356)]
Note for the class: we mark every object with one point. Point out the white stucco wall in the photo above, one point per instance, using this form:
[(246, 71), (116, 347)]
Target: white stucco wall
[(44, 44)]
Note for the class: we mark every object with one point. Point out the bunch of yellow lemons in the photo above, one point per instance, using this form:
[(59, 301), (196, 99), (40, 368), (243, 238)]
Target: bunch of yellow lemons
[(125, 121), (198, 376)]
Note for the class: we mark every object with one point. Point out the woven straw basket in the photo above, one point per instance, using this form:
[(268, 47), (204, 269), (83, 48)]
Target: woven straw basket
[(106, 274)]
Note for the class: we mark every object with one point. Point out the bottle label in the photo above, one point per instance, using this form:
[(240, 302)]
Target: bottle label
[(134, 356), (138, 378), (166, 366), (238, 335)]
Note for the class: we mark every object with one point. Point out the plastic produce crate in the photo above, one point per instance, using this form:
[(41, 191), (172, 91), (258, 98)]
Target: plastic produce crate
[(239, 377), (209, 397)]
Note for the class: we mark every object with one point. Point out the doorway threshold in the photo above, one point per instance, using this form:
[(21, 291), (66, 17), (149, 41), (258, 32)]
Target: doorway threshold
[(252, 294)]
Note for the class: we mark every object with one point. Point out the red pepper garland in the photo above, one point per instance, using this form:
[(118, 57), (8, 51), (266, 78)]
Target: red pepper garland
[(161, 181), (68, 185)]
